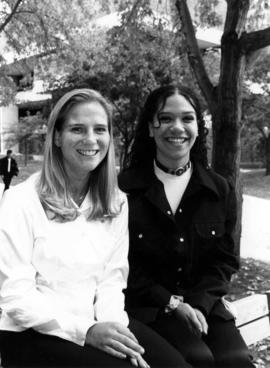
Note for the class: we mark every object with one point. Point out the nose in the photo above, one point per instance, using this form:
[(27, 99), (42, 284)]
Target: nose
[(178, 124), (90, 136)]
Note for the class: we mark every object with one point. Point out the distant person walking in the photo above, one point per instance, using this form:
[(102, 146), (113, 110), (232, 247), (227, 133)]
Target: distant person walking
[(8, 168)]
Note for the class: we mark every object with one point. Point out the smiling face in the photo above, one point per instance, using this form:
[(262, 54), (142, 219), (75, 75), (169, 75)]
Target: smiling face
[(84, 139), (174, 130)]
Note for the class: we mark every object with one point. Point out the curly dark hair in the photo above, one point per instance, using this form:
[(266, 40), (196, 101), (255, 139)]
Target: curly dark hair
[(144, 147)]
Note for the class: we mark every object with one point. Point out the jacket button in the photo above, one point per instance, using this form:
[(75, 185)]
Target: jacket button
[(169, 212), (213, 232), (179, 269), (140, 236), (180, 210), (181, 240)]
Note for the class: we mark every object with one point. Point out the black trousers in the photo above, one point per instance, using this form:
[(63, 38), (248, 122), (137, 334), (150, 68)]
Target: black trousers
[(222, 347), (32, 349), (7, 181)]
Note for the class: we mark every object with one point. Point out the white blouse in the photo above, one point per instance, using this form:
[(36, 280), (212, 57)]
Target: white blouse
[(174, 186), (60, 278)]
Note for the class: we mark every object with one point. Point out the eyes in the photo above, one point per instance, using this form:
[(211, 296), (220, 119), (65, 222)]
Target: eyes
[(82, 129), (167, 118)]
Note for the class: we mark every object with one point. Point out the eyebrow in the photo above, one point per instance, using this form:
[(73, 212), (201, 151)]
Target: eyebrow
[(71, 122), (172, 113)]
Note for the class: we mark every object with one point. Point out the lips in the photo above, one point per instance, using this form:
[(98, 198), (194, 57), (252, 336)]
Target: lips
[(87, 152)]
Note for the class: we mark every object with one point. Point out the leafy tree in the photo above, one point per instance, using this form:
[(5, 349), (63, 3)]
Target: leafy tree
[(40, 28), (127, 62), (32, 26), (143, 55), (206, 13)]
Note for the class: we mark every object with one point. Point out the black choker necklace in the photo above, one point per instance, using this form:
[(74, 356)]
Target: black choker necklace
[(176, 172)]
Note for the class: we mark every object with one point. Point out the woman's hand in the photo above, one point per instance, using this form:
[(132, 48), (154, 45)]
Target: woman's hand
[(202, 320), (117, 340), (139, 362), (193, 318)]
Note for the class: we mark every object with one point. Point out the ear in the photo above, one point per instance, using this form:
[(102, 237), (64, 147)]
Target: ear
[(150, 127), (57, 138)]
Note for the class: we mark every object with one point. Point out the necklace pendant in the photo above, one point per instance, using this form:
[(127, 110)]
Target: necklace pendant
[(179, 171)]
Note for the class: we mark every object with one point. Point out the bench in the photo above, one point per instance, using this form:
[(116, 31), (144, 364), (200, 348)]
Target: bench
[(253, 317)]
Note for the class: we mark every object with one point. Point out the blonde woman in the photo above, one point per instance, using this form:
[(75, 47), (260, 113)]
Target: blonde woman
[(63, 253)]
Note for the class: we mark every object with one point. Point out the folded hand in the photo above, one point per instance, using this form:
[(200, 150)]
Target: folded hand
[(193, 318), (117, 340)]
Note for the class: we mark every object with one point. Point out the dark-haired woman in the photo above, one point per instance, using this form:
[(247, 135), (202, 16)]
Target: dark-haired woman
[(181, 221), (63, 254)]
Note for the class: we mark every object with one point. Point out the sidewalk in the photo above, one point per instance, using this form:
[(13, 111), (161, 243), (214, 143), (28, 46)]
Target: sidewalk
[(255, 239)]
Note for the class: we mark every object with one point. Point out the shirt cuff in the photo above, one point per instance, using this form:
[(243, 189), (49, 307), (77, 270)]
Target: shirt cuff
[(76, 329)]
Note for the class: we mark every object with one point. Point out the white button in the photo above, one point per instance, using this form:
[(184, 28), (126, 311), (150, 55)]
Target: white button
[(180, 210), (179, 269), (169, 212), (140, 236), (181, 240), (213, 232)]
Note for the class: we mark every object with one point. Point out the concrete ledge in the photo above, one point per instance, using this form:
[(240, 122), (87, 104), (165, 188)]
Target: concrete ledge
[(252, 317)]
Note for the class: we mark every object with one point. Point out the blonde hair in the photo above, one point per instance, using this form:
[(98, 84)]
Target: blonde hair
[(53, 186)]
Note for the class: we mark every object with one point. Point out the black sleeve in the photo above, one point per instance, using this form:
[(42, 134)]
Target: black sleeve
[(222, 262)]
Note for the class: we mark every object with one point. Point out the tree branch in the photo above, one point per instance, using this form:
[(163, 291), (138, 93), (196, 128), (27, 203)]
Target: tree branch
[(10, 16), (193, 52), (253, 41), (255, 117), (236, 16), (26, 11), (40, 20), (132, 11)]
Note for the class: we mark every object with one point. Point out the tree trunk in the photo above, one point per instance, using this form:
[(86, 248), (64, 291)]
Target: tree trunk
[(226, 158), (267, 155), (227, 120)]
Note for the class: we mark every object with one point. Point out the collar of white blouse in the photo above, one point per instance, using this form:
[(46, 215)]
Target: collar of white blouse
[(85, 205)]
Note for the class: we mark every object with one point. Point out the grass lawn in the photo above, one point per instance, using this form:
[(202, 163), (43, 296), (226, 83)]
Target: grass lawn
[(253, 277), (26, 171), (256, 183)]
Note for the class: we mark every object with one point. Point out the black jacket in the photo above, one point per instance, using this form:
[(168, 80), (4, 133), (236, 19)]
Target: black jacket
[(191, 253), (4, 166)]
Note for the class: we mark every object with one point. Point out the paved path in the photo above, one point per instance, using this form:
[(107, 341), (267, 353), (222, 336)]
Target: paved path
[(255, 240)]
